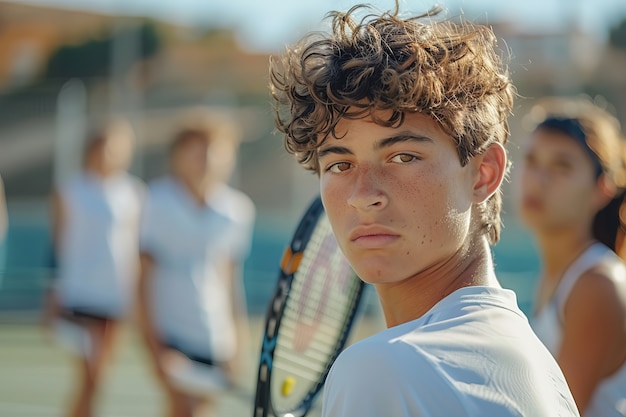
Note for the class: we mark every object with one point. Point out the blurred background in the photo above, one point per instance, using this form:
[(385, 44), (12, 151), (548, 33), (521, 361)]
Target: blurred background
[(65, 61)]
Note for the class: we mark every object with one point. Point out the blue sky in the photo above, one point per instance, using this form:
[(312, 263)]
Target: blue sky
[(267, 25)]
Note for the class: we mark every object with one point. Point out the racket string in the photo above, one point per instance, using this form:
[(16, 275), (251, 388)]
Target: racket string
[(315, 319)]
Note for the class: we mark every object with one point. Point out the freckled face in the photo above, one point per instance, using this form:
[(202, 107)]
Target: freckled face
[(398, 199)]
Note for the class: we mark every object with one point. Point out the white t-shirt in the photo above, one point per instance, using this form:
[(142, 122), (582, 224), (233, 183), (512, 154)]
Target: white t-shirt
[(472, 354), (99, 244), (609, 397), (191, 245)]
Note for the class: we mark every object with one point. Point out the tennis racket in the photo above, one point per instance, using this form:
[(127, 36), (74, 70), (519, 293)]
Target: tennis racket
[(308, 320)]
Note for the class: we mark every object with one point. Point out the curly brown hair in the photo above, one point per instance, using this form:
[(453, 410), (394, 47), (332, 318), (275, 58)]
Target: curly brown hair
[(446, 70)]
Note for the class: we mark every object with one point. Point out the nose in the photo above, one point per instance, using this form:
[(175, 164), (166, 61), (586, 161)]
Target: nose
[(535, 178), (368, 191)]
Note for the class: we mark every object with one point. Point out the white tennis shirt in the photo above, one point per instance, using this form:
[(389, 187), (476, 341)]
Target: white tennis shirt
[(472, 354), (191, 245), (99, 244)]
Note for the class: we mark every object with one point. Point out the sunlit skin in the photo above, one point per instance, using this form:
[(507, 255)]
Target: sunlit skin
[(559, 194), (403, 210)]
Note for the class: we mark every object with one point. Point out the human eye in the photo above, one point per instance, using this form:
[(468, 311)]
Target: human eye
[(530, 160), (404, 158), (562, 167), (338, 167)]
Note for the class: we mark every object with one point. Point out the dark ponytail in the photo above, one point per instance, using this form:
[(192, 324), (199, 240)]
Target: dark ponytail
[(607, 222)]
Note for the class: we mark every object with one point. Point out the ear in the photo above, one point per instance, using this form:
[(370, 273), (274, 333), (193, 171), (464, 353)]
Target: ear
[(490, 170), (606, 191)]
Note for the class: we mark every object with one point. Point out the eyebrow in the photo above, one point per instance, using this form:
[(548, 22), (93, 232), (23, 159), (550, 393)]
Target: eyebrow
[(384, 143), (403, 137)]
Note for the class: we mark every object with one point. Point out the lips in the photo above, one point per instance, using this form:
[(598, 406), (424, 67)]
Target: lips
[(531, 203), (373, 236)]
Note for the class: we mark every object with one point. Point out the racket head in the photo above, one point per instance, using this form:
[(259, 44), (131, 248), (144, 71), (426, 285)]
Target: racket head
[(308, 320)]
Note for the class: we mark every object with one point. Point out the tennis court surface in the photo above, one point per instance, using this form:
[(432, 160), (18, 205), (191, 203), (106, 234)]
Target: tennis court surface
[(36, 376)]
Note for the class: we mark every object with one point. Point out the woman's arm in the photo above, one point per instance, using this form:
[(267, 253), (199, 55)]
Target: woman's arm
[(593, 323)]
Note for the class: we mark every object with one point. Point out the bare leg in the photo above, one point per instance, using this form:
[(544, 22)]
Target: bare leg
[(202, 407), (178, 402), (91, 368), (180, 406), (183, 404)]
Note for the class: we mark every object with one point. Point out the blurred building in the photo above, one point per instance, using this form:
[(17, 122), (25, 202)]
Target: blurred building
[(29, 35), (203, 65), (42, 125), (564, 62), (560, 62), (42, 117), (193, 66)]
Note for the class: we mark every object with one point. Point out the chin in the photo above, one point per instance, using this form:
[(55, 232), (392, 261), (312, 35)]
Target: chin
[(372, 271), (532, 222), (527, 216)]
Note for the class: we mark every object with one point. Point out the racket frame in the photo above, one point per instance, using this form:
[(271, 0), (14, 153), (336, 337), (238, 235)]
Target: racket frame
[(289, 265)]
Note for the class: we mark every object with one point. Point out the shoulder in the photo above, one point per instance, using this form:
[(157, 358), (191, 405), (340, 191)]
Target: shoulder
[(238, 198), (136, 183), (72, 187), (606, 279), (600, 289), (129, 187), (384, 355), (235, 203), (381, 376)]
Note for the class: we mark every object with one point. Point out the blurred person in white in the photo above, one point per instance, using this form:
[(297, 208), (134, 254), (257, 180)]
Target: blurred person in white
[(95, 230), (195, 235), (571, 191)]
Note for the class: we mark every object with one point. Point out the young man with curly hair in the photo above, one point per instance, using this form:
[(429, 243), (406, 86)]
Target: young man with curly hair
[(405, 121)]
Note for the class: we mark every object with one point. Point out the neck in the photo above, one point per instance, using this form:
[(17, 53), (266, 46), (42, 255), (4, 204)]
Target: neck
[(411, 298), (98, 172), (559, 249), (198, 188)]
